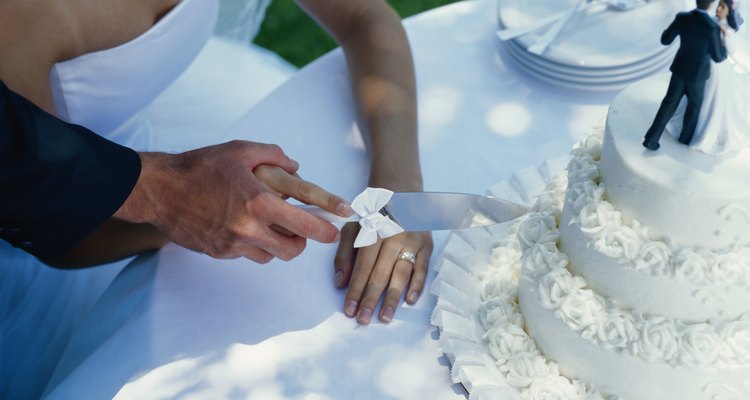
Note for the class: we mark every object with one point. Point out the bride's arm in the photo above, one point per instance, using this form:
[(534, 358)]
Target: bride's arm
[(113, 240), (382, 75)]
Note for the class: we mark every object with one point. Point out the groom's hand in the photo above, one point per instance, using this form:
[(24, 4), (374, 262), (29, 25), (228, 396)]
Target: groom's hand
[(209, 200)]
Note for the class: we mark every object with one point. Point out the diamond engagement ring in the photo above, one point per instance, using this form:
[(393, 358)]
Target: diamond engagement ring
[(408, 256)]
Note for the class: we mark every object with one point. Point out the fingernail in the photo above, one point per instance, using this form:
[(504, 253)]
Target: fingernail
[(364, 316), (339, 278), (294, 163), (344, 209), (413, 297), (351, 308), (387, 314)]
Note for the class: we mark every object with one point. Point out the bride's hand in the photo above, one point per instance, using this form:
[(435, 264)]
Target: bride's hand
[(379, 268)]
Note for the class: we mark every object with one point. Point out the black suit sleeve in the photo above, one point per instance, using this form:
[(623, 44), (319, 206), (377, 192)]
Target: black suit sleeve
[(717, 50), (58, 181), (670, 34)]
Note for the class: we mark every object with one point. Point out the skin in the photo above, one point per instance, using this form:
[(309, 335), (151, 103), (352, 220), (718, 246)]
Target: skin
[(722, 11), (382, 74), (245, 216)]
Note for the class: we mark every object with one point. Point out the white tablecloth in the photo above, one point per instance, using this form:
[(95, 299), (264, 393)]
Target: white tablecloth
[(179, 324)]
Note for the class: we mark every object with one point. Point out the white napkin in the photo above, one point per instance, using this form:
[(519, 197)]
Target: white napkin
[(368, 205)]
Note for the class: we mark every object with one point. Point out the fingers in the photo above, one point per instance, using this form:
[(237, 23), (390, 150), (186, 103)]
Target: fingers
[(295, 187), (281, 230), (258, 255), (281, 245), (421, 266), (402, 271), (303, 224), (261, 245), (343, 262), (255, 154), (378, 281), (363, 265), (379, 269)]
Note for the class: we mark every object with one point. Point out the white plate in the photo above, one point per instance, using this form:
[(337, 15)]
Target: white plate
[(583, 80), (663, 58), (601, 86), (598, 37)]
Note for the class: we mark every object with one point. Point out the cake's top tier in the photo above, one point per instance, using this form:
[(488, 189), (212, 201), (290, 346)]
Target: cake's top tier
[(681, 194)]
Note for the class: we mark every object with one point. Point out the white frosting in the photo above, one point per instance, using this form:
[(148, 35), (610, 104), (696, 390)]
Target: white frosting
[(653, 338), (515, 353), (692, 198), (630, 314), (620, 260), (591, 338)]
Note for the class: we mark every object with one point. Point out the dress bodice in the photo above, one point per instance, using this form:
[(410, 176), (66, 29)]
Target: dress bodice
[(107, 91)]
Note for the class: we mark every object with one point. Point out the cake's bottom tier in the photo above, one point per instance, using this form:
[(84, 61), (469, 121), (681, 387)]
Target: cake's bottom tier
[(610, 371)]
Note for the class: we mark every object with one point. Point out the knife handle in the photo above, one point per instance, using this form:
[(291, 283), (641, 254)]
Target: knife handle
[(328, 216)]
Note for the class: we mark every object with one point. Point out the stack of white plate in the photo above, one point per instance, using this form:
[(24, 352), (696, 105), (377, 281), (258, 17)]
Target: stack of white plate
[(599, 48)]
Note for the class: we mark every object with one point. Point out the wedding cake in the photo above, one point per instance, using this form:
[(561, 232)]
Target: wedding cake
[(630, 278)]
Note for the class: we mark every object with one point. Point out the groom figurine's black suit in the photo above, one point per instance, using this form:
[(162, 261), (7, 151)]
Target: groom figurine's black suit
[(700, 42)]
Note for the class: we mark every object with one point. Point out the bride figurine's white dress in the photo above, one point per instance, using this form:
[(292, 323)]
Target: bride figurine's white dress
[(176, 86), (724, 121)]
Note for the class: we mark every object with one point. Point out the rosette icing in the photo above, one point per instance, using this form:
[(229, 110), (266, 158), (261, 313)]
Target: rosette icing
[(523, 368), (567, 329), (651, 338), (631, 244), (551, 388), (624, 260), (533, 247), (515, 353)]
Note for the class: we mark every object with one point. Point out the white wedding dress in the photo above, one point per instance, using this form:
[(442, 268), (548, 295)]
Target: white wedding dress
[(723, 127), (177, 86)]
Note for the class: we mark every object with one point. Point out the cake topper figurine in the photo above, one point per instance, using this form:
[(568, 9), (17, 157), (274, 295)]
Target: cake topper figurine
[(700, 42)]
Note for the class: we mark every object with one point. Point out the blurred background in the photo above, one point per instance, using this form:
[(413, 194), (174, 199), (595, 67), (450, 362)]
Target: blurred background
[(289, 32)]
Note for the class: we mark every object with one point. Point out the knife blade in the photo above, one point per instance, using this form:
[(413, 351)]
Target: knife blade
[(431, 211)]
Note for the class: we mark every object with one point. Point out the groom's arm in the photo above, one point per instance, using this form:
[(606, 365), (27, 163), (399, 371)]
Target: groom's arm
[(717, 49), (58, 181), (60, 184), (670, 34)]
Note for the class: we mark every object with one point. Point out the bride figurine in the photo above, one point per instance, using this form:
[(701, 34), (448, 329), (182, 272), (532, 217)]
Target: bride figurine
[(723, 127)]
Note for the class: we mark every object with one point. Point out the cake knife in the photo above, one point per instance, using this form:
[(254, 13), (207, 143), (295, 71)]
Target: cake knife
[(431, 211)]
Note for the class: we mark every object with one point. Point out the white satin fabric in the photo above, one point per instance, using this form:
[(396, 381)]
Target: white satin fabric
[(174, 87), (724, 120), (182, 325), (240, 20), (107, 91)]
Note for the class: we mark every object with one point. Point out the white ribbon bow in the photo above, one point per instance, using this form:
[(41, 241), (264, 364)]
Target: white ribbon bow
[(368, 205)]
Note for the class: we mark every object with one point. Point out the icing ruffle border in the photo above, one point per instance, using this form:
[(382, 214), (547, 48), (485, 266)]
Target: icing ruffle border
[(515, 353), (476, 288)]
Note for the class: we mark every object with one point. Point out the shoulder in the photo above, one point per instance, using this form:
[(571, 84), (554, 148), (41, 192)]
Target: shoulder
[(700, 19), (688, 18), (99, 28), (27, 25)]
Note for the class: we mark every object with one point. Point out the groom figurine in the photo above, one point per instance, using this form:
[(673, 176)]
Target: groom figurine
[(700, 42)]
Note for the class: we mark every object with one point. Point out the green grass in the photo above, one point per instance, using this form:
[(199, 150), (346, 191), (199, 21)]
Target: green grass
[(289, 32)]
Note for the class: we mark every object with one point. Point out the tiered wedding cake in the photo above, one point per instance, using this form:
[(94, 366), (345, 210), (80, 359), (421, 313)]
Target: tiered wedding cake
[(634, 274)]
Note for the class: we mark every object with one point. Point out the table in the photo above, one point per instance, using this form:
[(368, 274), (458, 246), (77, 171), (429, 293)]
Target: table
[(178, 324)]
